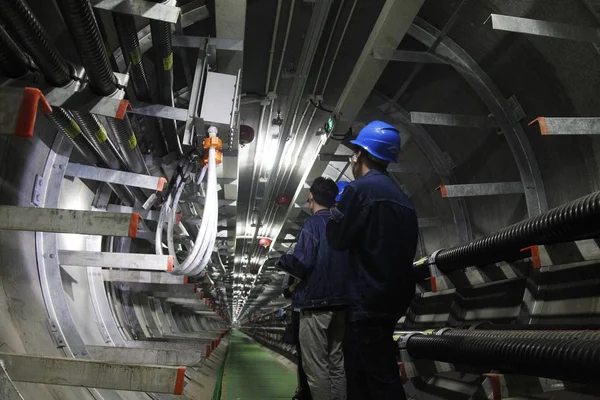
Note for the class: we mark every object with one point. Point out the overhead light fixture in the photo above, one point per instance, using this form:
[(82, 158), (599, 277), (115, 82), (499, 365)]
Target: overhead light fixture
[(268, 156)]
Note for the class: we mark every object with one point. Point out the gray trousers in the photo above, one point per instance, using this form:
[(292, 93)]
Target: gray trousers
[(321, 337)]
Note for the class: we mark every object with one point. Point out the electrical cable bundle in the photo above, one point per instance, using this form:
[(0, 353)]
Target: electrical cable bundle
[(201, 252)]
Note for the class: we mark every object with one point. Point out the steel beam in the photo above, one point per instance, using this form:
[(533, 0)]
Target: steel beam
[(94, 374), (219, 43), (146, 215), (466, 121), (171, 296), (481, 189), (68, 221), (152, 287), (391, 26), (421, 57), (143, 277), (194, 106), (161, 111), (568, 126), (74, 97), (114, 176), (134, 261), (146, 356), (543, 28), (193, 12), (164, 344), (140, 8), (8, 391)]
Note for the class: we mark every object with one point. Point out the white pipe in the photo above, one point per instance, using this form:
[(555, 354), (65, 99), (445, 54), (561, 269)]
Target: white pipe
[(273, 42), (292, 146), (322, 92)]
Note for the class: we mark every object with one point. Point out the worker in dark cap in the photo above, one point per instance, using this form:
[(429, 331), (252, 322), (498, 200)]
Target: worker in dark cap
[(323, 311), (375, 220)]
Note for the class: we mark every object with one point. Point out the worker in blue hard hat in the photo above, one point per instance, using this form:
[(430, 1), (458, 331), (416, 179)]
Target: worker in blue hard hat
[(376, 221), (324, 296), (341, 186)]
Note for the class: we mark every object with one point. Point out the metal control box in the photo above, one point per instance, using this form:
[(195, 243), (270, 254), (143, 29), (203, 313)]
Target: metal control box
[(219, 100)]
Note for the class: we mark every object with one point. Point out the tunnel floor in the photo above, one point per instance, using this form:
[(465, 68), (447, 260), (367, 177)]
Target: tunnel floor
[(252, 373)]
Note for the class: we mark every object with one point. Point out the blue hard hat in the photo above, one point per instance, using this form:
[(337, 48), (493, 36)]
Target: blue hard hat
[(341, 186), (379, 139)]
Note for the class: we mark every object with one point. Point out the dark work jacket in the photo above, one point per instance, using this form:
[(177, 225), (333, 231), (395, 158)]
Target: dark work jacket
[(316, 263), (376, 221), (297, 295)]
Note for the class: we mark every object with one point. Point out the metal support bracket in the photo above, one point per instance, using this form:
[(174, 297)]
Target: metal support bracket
[(140, 8), (466, 121), (38, 191), (481, 189), (543, 28), (113, 176), (55, 333)]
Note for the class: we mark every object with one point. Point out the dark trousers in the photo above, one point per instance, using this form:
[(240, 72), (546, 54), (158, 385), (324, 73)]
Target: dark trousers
[(370, 355), (302, 380)]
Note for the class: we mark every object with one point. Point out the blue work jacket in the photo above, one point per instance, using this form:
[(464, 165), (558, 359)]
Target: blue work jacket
[(377, 223), (316, 263)]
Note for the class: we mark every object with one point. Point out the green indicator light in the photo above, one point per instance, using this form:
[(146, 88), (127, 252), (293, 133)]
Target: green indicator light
[(330, 125)]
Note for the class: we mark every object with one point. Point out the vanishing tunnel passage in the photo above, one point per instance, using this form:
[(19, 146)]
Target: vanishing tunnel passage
[(329, 199)]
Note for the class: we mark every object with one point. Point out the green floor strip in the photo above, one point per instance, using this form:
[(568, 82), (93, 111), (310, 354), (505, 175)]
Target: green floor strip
[(252, 373), (219, 385)]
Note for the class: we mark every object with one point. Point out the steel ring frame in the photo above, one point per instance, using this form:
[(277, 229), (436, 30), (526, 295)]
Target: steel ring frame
[(485, 88), (61, 322)]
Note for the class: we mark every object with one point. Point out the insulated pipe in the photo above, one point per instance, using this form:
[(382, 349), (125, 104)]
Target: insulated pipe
[(84, 29), (13, 62), (163, 64), (21, 23), (571, 360), (127, 143), (576, 220)]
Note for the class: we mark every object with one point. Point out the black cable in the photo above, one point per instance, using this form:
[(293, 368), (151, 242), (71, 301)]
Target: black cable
[(320, 107), (22, 24), (86, 35), (576, 220)]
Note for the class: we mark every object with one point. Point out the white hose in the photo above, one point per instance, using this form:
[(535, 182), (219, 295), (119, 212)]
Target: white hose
[(199, 256)]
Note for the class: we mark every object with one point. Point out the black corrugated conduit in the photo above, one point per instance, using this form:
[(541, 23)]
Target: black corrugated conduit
[(104, 36), (127, 142), (67, 125), (571, 360), (132, 54), (563, 335), (13, 62), (84, 29), (96, 135), (22, 24), (162, 43), (576, 220)]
